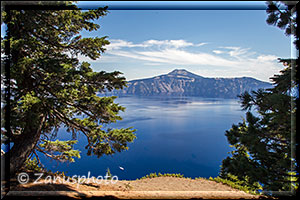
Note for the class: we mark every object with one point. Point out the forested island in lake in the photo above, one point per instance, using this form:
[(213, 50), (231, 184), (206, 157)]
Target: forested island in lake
[(181, 82)]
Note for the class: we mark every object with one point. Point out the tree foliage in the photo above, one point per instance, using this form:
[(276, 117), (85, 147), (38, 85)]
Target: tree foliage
[(283, 15), (59, 150), (50, 88), (263, 141)]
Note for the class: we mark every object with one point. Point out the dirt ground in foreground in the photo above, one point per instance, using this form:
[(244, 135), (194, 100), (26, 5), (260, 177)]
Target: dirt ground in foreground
[(149, 188)]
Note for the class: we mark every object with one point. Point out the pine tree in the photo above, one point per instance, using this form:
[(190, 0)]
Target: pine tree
[(50, 88), (263, 140), (108, 174), (283, 15), (264, 143)]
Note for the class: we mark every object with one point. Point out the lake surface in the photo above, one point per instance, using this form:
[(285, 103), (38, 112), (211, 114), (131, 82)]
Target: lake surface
[(174, 135)]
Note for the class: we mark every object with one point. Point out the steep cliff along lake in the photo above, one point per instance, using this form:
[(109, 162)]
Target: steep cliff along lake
[(174, 135)]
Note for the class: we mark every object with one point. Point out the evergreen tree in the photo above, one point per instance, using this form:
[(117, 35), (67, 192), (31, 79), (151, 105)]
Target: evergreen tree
[(283, 14), (264, 142), (50, 88), (108, 174)]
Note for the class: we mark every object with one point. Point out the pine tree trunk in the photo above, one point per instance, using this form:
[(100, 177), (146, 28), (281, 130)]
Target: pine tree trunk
[(23, 147)]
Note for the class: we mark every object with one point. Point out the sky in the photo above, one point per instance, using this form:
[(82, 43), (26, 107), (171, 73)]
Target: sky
[(211, 39), (210, 43)]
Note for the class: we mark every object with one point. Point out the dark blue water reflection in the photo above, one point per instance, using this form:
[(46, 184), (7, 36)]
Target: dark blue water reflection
[(174, 135)]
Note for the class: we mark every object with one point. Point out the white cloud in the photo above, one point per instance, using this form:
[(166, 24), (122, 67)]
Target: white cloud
[(200, 44), (118, 44), (236, 51), (230, 61), (265, 58), (218, 51), (167, 43), (179, 43), (181, 57)]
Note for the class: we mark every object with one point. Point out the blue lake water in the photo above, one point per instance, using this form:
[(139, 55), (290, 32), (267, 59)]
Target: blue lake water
[(174, 135)]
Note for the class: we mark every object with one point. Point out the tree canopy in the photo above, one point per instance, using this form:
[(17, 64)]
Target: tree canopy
[(283, 14), (47, 87), (264, 143)]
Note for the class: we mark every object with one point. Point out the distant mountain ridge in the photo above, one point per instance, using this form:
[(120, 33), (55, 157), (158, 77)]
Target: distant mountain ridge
[(181, 82)]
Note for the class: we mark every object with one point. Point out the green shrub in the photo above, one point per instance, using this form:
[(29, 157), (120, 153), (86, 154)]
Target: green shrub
[(234, 182), (108, 174), (153, 175)]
